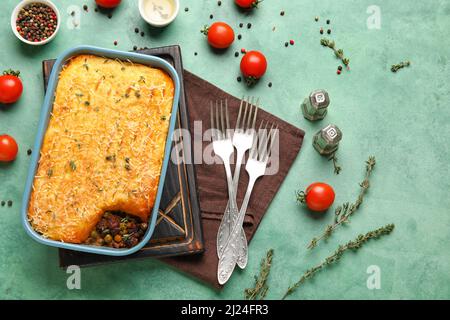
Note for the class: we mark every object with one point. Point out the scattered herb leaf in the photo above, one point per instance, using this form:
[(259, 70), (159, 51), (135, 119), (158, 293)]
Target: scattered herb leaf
[(261, 288), (354, 245)]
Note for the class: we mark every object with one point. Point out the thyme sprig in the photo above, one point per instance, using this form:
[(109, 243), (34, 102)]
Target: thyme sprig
[(261, 288), (401, 65), (344, 212), (354, 245), (337, 168), (338, 52)]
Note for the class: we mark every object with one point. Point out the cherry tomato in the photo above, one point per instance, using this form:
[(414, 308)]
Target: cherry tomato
[(247, 3), (108, 3), (319, 196), (220, 35), (8, 148), (10, 87), (253, 65)]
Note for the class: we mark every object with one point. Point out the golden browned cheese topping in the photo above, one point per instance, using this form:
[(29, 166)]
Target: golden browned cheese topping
[(103, 148)]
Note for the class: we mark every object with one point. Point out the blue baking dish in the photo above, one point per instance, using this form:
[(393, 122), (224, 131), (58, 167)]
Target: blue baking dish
[(42, 128)]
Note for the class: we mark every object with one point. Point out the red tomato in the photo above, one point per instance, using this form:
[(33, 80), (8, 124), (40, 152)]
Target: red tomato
[(319, 196), (247, 3), (108, 3), (253, 65), (8, 148), (220, 35), (10, 87)]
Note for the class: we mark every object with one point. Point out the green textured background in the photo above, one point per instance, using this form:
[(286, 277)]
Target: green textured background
[(403, 119)]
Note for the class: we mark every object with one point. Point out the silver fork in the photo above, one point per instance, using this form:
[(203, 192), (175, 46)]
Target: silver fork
[(255, 167), (242, 140), (223, 147)]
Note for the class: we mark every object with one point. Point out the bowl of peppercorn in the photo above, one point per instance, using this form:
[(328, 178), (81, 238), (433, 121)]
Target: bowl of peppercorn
[(35, 22)]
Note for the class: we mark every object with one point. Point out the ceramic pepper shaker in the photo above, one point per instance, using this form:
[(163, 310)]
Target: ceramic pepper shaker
[(315, 106), (326, 141)]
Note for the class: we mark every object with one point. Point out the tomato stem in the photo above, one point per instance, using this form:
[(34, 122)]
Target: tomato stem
[(205, 30), (11, 72)]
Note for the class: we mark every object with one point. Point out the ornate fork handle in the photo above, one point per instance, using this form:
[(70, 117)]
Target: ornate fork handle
[(229, 220), (230, 254)]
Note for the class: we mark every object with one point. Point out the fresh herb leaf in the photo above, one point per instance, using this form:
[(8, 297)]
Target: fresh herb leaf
[(354, 245), (73, 166), (260, 289)]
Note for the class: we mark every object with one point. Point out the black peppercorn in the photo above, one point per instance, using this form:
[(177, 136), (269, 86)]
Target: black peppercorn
[(239, 37), (115, 43), (239, 79), (219, 3), (142, 33), (85, 8), (29, 152), (282, 13), (329, 31), (109, 15), (186, 9), (135, 48), (328, 21), (269, 84), (195, 53), (249, 25), (286, 44), (236, 54), (316, 19), (10, 203), (340, 68), (211, 16), (136, 30), (321, 31), (3, 203), (241, 25)]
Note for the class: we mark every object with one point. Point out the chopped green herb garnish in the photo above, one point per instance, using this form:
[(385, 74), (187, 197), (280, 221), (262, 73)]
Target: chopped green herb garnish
[(163, 118), (79, 95), (137, 94), (86, 66), (73, 166), (49, 172), (111, 158), (87, 103)]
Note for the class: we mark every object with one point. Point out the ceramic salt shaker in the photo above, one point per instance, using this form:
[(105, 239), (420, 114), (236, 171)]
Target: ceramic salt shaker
[(315, 106), (326, 141)]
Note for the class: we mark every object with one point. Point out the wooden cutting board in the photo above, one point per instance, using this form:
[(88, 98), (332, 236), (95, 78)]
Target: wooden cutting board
[(178, 229)]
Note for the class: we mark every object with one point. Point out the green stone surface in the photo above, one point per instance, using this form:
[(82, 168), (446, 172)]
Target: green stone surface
[(402, 119)]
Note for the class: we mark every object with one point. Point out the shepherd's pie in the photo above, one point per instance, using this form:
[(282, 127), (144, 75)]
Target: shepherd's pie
[(103, 148)]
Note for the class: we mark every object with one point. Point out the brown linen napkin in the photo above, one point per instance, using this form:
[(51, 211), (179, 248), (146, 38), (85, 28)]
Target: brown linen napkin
[(211, 179)]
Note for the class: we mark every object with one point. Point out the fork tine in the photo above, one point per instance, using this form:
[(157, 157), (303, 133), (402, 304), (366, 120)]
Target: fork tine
[(262, 142), (212, 122), (272, 139), (253, 154), (218, 133), (271, 136), (240, 112), (222, 120), (244, 119), (227, 120), (249, 117), (256, 112)]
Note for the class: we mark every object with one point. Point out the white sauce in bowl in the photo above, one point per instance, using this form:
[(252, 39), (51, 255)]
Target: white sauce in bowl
[(159, 12)]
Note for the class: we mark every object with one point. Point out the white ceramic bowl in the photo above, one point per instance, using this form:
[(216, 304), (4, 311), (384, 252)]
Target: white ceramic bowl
[(143, 4), (24, 3)]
